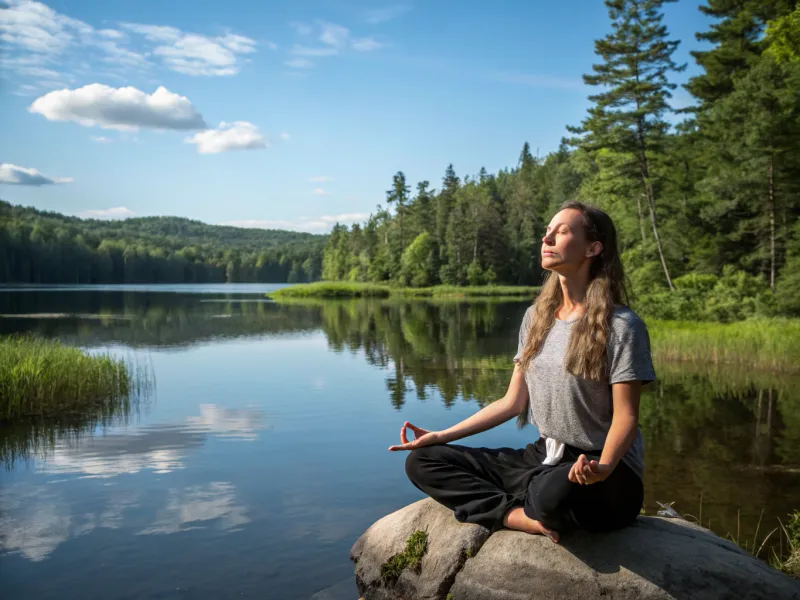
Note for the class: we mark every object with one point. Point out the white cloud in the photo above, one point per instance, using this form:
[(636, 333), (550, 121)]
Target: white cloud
[(285, 136), (111, 34), (366, 45), (193, 53), (299, 63), (320, 179), (326, 39), (33, 32), (239, 135), (119, 212), (124, 109), (320, 192), (310, 225), (100, 139), (387, 13), (334, 35), (12, 174)]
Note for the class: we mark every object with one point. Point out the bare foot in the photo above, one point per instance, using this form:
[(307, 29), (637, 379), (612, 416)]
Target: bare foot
[(517, 519)]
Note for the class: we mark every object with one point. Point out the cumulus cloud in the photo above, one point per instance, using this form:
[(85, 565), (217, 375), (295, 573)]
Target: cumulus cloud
[(307, 224), (119, 212), (124, 109), (193, 53), (15, 175), (101, 139), (239, 135), (320, 192)]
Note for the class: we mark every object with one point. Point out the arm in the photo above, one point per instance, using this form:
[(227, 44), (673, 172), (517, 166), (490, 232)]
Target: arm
[(624, 422), (492, 415)]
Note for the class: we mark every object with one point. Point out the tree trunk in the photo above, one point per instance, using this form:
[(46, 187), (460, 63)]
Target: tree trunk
[(771, 210), (648, 188), (641, 218)]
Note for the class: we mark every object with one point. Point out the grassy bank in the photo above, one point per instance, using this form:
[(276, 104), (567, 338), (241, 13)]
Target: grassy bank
[(333, 289), (45, 378), (768, 344)]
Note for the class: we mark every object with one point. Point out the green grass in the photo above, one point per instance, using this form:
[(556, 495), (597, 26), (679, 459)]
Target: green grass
[(45, 378), (410, 558), (333, 289), (768, 344)]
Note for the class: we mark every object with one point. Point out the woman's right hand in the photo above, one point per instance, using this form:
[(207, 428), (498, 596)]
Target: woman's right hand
[(422, 437)]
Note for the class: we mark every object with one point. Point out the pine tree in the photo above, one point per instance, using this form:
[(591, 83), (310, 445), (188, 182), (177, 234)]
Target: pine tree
[(444, 204), (628, 116), (398, 195)]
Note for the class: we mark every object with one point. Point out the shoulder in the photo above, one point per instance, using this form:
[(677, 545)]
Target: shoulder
[(624, 323)]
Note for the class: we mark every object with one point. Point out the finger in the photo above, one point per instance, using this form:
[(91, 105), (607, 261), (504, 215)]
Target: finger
[(414, 428), (403, 436), (571, 474), (401, 447)]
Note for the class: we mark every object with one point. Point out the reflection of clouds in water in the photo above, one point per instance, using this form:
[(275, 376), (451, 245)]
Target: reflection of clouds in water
[(186, 509), (34, 522), (161, 449), (241, 423)]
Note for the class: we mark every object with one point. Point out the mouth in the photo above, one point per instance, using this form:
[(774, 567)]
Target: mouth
[(548, 253)]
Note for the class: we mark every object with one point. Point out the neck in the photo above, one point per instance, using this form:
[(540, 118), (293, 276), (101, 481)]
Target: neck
[(573, 290)]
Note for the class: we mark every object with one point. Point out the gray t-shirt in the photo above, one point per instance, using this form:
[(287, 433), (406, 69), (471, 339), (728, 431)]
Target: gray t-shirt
[(578, 411)]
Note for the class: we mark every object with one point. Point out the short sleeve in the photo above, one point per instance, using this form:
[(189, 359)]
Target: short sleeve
[(629, 357), (523, 333)]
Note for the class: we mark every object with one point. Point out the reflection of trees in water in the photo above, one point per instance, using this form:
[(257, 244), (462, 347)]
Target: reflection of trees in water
[(149, 319), (430, 346), (728, 434)]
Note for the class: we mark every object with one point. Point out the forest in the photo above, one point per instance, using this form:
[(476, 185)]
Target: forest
[(705, 199), (44, 247)]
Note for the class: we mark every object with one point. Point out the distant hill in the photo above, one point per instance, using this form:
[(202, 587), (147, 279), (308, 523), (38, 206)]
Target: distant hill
[(48, 247)]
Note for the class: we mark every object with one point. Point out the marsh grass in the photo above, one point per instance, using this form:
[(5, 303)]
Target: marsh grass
[(784, 559), (767, 344), (335, 289), (44, 378)]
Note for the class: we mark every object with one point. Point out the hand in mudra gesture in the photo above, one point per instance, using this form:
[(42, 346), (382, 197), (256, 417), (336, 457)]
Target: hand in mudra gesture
[(422, 437)]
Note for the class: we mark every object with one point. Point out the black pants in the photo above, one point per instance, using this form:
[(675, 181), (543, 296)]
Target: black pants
[(482, 484)]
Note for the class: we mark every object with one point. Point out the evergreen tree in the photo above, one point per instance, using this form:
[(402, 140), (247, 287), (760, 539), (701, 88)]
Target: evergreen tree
[(628, 116)]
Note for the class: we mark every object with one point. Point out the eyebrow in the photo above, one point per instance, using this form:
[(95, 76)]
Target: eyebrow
[(548, 228)]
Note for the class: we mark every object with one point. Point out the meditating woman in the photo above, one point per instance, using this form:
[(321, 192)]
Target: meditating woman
[(582, 359)]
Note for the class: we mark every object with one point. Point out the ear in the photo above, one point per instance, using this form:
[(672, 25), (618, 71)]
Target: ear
[(594, 249)]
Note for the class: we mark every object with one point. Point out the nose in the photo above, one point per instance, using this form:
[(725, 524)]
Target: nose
[(547, 239)]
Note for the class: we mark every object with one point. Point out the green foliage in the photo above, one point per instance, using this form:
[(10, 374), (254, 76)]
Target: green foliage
[(783, 35), (418, 263), (45, 378), (410, 558), (733, 296), (45, 247)]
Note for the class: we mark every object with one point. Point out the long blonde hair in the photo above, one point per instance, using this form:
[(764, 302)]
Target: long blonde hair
[(586, 355)]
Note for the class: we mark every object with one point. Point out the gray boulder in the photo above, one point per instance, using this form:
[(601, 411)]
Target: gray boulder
[(655, 558)]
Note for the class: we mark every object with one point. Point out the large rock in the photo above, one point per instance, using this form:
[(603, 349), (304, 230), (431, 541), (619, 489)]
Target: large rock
[(654, 558)]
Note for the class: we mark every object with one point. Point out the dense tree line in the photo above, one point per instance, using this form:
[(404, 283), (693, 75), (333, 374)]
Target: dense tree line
[(46, 247), (706, 202)]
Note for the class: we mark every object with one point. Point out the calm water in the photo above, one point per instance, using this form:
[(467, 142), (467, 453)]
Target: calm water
[(261, 456)]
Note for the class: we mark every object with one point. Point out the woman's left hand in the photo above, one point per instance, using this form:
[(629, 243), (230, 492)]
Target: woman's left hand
[(587, 472)]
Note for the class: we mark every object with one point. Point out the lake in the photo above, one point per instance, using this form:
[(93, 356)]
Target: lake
[(261, 454)]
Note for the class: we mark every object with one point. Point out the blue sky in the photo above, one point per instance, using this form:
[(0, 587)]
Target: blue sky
[(284, 114)]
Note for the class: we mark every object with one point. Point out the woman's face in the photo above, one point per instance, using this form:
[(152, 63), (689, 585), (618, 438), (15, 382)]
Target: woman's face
[(564, 245)]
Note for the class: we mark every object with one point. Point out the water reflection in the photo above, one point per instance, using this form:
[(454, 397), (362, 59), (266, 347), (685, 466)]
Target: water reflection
[(197, 506), (158, 448), (718, 440)]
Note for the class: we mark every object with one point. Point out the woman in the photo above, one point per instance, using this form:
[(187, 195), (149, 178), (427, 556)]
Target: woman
[(581, 361)]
